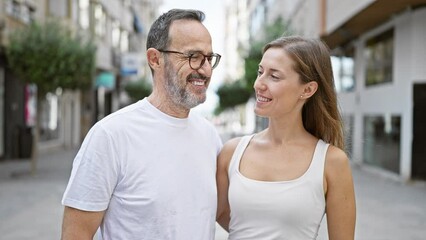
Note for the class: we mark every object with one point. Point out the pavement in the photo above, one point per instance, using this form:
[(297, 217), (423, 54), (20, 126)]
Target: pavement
[(30, 205)]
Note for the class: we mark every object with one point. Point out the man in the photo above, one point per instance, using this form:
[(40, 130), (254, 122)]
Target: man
[(147, 171)]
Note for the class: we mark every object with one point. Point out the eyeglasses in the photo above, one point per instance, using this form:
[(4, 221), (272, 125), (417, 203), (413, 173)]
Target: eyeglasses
[(196, 60)]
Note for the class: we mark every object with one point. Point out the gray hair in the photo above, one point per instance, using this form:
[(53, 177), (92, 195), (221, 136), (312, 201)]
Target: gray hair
[(158, 36)]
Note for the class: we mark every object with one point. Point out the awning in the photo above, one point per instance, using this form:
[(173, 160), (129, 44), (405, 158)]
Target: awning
[(106, 80), (370, 17)]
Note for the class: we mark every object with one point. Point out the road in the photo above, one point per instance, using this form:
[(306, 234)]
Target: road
[(30, 204)]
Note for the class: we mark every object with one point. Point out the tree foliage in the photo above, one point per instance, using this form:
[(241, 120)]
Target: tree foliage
[(138, 90), (50, 56), (232, 94)]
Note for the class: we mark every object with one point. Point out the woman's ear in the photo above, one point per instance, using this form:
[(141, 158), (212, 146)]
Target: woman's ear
[(153, 58), (310, 89)]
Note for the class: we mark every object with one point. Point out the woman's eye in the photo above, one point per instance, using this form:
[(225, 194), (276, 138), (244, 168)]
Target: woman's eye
[(274, 77), (259, 72)]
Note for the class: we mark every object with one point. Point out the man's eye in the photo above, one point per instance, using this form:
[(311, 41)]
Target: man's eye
[(195, 56)]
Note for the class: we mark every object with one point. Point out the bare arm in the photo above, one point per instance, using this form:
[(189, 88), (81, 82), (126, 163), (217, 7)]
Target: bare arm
[(222, 181), (78, 224), (340, 196)]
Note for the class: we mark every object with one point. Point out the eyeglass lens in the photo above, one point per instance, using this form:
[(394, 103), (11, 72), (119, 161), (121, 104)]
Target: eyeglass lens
[(197, 60)]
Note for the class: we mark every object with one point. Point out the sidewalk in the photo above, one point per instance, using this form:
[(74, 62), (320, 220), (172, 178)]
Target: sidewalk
[(30, 206)]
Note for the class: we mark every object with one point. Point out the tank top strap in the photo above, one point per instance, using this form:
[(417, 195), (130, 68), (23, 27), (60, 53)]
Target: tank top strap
[(238, 153), (316, 170)]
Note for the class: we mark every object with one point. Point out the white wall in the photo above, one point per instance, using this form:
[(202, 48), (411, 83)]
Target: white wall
[(339, 11), (391, 98)]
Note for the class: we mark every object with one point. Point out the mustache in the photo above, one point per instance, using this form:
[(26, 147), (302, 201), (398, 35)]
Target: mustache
[(197, 75)]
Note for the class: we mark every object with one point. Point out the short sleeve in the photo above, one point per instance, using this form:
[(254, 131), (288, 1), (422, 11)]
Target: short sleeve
[(94, 173)]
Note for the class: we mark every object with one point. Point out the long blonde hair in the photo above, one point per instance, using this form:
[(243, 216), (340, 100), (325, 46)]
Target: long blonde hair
[(320, 113)]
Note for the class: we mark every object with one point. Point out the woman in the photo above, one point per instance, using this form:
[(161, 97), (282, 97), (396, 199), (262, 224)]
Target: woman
[(279, 183)]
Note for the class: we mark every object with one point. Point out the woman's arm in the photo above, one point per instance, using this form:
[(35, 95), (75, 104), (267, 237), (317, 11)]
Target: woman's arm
[(222, 181), (340, 196)]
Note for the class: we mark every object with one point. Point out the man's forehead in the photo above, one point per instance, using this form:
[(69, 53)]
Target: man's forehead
[(185, 26), (189, 32)]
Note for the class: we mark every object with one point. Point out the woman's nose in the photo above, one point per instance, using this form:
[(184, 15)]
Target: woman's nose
[(258, 84)]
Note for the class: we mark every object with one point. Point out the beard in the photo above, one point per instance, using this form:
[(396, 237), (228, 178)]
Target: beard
[(178, 91)]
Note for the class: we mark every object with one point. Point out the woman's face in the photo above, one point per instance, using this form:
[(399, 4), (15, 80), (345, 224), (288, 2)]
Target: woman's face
[(278, 87)]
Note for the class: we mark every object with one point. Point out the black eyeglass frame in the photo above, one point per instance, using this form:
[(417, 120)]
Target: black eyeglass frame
[(190, 55)]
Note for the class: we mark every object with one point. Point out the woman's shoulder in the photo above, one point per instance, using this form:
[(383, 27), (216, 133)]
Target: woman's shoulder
[(231, 144), (337, 161), (228, 150), (336, 155)]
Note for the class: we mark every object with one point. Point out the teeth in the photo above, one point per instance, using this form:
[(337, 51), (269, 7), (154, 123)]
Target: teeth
[(197, 83), (263, 99)]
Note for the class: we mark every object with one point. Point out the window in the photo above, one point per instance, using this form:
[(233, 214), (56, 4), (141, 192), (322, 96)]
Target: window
[(127, 3), (58, 8), (348, 130), (84, 16), (382, 141), (343, 71), (379, 59), (50, 116), (124, 41), (20, 10), (100, 20), (115, 34), (13, 8), (257, 20), (2, 96)]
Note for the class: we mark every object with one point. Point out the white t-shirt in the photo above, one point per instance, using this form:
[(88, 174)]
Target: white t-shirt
[(153, 174), (281, 210)]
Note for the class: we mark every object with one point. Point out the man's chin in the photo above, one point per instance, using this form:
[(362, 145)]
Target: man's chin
[(196, 102)]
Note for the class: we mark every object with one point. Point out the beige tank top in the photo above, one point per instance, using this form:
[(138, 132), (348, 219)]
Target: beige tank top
[(291, 210)]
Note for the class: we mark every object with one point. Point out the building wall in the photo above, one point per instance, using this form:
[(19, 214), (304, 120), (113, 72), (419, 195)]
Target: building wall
[(286, 9), (76, 116), (13, 124), (390, 98), (409, 61), (304, 17), (236, 38), (339, 11), (418, 40)]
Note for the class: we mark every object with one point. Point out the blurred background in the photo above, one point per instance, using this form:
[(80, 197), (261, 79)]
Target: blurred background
[(65, 64)]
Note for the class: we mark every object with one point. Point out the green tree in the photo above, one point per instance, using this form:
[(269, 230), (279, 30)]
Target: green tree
[(232, 94), (50, 56), (138, 90)]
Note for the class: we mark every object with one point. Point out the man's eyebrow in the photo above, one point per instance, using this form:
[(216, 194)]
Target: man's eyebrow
[(199, 51)]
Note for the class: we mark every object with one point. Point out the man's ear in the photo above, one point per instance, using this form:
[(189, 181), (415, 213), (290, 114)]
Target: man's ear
[(310, 89), (153, 58)]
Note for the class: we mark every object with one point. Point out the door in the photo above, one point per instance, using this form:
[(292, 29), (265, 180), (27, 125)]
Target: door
[(418, 170)]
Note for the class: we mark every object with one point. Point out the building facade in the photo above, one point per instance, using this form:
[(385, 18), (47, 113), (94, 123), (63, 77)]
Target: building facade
[(379, 54), (118, 28), (379, 57)]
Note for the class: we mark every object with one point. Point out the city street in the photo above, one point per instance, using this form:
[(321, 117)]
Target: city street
[(30, 205)]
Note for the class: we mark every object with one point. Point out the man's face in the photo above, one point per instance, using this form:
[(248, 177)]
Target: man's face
[(188, 93), (185, 86)]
